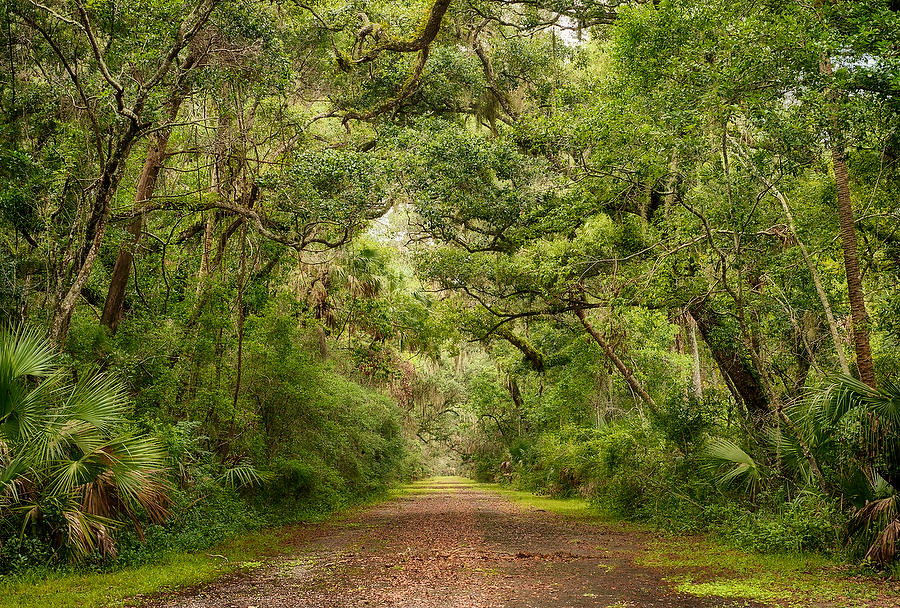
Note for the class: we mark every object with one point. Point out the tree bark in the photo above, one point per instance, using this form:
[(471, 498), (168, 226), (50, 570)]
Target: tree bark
[(860, 317), (156, 155), (533, 356), (864, 363), (96, 228), (626, 372), (118, 283)]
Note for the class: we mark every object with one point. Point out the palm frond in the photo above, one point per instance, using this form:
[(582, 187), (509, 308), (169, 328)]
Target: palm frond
[(61, 445), (25, 352), (734, 464), (847, 393), (875, 514), (24, 355), (886, 404), (878, 525), (139, 472), (789, 448), (87, 533), (99, 400), (32, 415), (884, 548), (68, 475), (243, 474), (11, 473)]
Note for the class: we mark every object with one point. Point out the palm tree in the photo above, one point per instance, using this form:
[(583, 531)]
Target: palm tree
[(68, 468)]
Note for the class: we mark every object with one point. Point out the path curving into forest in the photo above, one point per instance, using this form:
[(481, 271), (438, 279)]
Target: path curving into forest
[(451, 545)]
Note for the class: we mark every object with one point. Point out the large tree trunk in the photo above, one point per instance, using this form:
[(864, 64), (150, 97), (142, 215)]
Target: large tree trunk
[(626, 372), (156, 155), (731, 357), (864, 363), (114, 167)]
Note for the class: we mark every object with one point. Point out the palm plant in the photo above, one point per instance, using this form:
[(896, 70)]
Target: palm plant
[(360, 273), (733, 466), (68, 467), (874, 416), (855, 427)]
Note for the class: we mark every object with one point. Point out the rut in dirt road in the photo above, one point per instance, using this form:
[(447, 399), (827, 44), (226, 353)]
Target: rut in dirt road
[(454, 546)]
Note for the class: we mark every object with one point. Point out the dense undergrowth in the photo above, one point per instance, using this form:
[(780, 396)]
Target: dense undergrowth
[(631, 470), (302, 441)]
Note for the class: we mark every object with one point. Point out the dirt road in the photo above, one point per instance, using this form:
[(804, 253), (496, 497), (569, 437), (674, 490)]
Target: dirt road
[(449, 545)]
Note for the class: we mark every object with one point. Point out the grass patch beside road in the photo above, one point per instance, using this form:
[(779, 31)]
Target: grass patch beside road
[(571, 507), (707, 568), (46, 589)]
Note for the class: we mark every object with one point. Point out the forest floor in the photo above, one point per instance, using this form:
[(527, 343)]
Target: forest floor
[(449, 543)]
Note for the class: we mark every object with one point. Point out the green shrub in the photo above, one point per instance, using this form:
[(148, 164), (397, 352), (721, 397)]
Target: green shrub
[(316, 440), (630, 470), (809, 523)]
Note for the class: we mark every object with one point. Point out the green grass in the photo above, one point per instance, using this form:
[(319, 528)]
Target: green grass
[(707, 568), (428, 486), (571, 507), (43, 589)]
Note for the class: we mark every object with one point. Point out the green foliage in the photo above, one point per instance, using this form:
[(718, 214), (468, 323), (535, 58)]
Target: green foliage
[(684, 422), (808, 524), (869, 419), (310, 441), (71, 469), (628, 471), (739, 467)]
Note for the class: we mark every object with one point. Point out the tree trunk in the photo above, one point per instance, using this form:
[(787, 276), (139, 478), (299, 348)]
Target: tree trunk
[(96, 228), (111, 176), (221, 189), (156, 155), (118, 283), (864, 363), (817, 282), (516, 395), (620, 365), (731, 357), (240, 335), (860, 317)]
